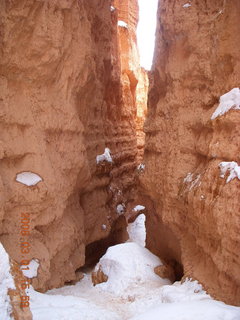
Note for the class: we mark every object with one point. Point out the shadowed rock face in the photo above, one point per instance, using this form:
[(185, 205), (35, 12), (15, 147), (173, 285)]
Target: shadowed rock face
[(65, 96), (195, 214)]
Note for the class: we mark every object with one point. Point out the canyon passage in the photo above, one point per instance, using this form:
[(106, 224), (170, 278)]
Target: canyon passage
[(119, 186)]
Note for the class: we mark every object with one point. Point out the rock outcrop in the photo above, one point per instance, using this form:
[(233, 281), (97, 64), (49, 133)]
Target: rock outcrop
[(98, 277), (194, 214), (20, 301), (66, 96)]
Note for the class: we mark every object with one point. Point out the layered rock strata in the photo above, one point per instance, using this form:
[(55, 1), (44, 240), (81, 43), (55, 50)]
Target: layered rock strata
[(194, 214), (66, 97)]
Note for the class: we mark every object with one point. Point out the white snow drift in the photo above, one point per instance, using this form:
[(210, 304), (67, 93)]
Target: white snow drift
[(230, 100), (28, 178), (6, 282), (128, 264), (106, 156), (232, 167)]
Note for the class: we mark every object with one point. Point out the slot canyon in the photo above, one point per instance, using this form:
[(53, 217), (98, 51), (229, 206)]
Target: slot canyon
[(102, 136)]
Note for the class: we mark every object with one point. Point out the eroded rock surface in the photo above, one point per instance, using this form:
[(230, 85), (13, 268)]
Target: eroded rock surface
[(195, 214), (65, 96)]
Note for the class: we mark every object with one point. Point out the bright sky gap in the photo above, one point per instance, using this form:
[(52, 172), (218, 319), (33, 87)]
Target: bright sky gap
[(146, 31)]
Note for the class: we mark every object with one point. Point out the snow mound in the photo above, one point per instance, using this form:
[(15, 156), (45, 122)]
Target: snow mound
[(137, 230), (6, 282), (106, 156), (33, 269), (138, 208), (230, 100), (187, 5), (122, 24), (128, 265), (28, 178), (232, 167), (181, 292), (187, 301)]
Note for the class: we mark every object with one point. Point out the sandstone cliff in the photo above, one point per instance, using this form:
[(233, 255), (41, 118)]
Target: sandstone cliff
[(194, 214), (65, 97)]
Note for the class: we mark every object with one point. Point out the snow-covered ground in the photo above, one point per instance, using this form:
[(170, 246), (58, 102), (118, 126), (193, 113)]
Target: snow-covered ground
[(132, 292), (148, 301), (6, 282)]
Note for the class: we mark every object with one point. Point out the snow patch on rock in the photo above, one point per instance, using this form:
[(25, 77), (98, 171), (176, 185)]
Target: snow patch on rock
[(137, 230), (228, 101), (33, 269), (120, 208), (187, 5), (141, 167), (122, 24), (28, 178), (6, 282), (194, 182), (104, 227), (106, 156), (232, 167), (138, 208)]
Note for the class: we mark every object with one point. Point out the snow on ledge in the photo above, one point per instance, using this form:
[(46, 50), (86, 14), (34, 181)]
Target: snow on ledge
[(122, 24), (112, 8), (28, 178), (141, 167), (194, 182), (120, 208), (138, 208), (230, 100), (106, 156), (33, 269), (187, 5), (232, 167), (6, 282)]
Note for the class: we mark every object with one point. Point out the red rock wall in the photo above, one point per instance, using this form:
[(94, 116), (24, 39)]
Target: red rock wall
[(195, 223), (134, 78), (63, 100)]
